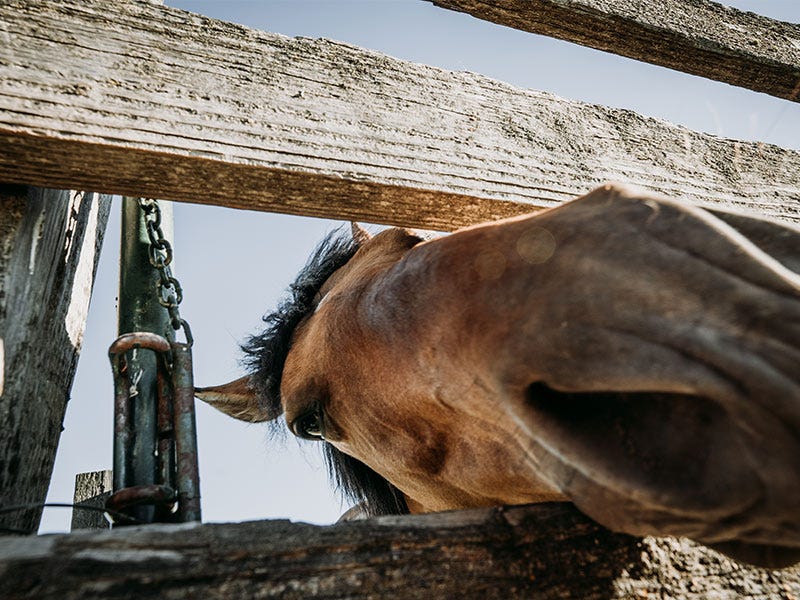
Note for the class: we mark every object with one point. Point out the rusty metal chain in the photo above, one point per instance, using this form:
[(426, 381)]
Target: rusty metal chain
[(168, 288)]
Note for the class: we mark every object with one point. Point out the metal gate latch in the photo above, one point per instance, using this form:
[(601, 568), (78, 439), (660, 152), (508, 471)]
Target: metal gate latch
[(175, 493)]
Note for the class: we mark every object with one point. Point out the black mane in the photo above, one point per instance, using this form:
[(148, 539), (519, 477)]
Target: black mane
[(265, 356), (265, 353)]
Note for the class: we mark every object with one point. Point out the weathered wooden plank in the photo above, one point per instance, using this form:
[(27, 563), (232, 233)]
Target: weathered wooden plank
[(248, 119), (49, 246), (694, 36), (91, 489), (539, 551)]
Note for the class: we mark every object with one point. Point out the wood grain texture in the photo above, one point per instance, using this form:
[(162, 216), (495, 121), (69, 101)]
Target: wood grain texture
[(538, 551), (49, 246), (155, 101), (91, 489), (694, 36)]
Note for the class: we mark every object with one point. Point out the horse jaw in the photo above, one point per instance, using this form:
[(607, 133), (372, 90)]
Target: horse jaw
[(236, 399)]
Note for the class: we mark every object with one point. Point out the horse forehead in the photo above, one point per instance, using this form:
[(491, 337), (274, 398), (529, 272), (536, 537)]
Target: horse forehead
[(305, 354), (303, 380), (315, 355)]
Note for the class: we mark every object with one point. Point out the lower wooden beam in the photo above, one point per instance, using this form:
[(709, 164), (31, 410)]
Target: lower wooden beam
[(537, 551)]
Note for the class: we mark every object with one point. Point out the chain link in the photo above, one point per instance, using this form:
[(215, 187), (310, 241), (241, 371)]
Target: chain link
[(168, 288)]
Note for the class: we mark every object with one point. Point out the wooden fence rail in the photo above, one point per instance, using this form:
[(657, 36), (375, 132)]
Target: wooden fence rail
[(155, 101), (694, 36), (536, 552)]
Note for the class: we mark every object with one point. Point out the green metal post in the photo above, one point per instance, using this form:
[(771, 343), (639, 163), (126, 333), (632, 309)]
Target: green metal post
[(139, 310)]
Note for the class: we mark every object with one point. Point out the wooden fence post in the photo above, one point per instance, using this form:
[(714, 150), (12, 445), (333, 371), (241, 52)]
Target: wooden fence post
[(91, 489), (49, 246)]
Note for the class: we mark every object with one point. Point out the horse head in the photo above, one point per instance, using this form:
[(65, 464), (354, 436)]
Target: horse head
[(637, 356)]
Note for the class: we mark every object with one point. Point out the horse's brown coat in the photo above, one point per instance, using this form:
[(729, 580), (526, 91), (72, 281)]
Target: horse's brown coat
[(635, 355)]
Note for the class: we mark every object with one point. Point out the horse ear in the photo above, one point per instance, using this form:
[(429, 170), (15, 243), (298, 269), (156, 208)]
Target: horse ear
[(237, 399), (360, 235)]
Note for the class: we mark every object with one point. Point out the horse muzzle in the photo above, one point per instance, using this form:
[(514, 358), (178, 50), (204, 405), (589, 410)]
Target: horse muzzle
[(667, 391)]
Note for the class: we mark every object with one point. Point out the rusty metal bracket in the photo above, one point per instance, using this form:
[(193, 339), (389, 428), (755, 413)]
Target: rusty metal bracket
[(176, 491)]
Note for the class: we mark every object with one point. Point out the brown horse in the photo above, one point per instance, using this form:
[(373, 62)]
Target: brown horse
[(637, 356)]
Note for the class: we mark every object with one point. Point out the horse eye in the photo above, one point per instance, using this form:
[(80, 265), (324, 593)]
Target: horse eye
[(309, 426)]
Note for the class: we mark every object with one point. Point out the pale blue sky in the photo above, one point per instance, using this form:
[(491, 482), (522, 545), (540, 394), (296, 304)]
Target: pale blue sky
[(234, 265)]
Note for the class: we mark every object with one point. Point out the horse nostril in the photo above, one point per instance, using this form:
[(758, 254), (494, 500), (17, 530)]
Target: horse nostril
[(542, 397), (672, 449)]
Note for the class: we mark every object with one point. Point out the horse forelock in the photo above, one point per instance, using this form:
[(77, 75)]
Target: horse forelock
[(266, 352)]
